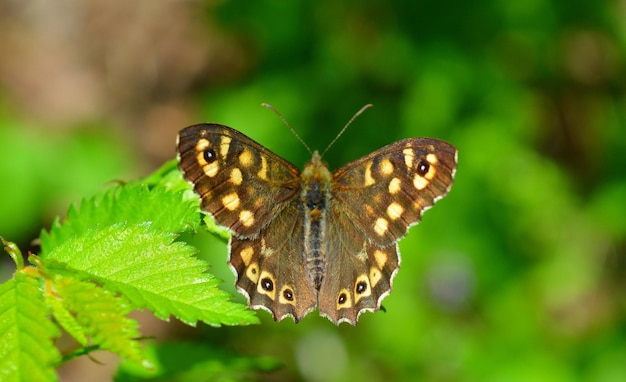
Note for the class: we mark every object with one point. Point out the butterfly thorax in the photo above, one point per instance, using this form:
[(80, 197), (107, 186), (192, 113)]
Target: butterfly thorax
[(316, 199)]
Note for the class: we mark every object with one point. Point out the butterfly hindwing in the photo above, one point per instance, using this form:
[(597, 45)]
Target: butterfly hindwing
[(269, 270), (358, 273)]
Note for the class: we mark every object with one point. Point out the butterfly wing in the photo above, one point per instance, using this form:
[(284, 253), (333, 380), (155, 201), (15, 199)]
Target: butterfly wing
[(270, 269), (375, 200), (241, 184), (245, 187), (387, 191), (358, 273)]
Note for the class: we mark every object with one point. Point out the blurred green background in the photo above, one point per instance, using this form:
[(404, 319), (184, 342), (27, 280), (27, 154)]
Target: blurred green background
[(518, 275)]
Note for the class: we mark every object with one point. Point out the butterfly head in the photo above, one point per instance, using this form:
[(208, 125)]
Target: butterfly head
[(316, 169)]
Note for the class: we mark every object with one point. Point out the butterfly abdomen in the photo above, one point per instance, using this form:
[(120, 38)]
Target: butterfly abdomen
[(316, 199)]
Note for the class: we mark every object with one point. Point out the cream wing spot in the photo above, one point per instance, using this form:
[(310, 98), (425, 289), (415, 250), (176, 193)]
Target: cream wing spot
[(369, 180), (246, 255), (224, 146), (432, 158), (375, 276), (394, 211), (431, 173), (420, 182), (245, 158), (246, 217), (211, 169), (381, 258), (386, 167), (263, 171), (409, 157), (202, 144), (381, 226), (252, 272), (200, 158), (236, 177), (394, 186), (231, 201)]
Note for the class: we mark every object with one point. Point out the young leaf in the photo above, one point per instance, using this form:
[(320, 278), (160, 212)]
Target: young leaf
[(101, 316), (65, 318), (27, 351)]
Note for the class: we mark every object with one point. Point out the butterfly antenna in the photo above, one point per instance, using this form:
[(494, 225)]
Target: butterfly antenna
[(272, 108), (346, 126)]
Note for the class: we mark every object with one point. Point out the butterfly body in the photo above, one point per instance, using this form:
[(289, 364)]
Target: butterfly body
[(313, 239), (315, 201)]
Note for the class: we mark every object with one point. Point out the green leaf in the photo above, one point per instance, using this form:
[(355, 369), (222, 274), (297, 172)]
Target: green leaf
[(100, 315), (218, 231), (65, 318), (165, 209), (27, 351), (124, 240), (152, 272), (167, 176)]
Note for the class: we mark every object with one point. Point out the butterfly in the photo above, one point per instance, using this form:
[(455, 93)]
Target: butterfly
[(302, 240)]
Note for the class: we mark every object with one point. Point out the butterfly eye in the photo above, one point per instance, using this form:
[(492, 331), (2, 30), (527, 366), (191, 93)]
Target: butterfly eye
[(423, 167), (288, 295), (209, 155), (361, 287), (342, 298), (267, 284)]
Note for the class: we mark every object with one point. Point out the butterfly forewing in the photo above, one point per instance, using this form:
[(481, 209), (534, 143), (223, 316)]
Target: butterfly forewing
[(387, 191), (241, 184)]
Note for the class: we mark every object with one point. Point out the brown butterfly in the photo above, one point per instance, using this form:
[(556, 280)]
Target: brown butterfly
[(314, 239)]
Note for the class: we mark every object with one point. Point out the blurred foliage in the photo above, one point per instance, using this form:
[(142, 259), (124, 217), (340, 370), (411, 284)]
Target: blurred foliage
[(195, 362), (517, 275)]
